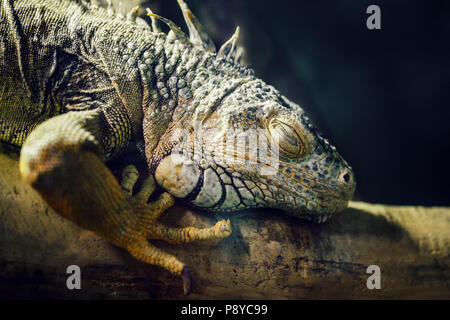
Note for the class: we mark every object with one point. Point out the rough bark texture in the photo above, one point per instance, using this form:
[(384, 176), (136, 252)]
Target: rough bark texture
[(268, 256)]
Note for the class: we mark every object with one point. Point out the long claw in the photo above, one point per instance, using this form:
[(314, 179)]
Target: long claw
[(187, 282)]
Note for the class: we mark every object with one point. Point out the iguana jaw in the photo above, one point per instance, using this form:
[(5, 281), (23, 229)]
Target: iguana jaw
[(316, 203), (331, 206), (212, 188)]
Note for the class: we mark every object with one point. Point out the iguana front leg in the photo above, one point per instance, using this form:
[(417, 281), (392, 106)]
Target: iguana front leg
[(147, 216), (62, 160)]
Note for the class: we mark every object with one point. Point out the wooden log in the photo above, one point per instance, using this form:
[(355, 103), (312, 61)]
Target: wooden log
[(268, 256)]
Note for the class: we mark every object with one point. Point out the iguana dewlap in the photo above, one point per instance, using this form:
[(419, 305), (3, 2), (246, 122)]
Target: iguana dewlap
[(79, 84)]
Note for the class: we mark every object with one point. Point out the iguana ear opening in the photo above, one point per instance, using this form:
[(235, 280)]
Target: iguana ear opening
[(177, 175)]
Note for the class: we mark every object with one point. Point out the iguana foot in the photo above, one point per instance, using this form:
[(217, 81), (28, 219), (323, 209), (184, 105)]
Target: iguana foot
[(146, 226)]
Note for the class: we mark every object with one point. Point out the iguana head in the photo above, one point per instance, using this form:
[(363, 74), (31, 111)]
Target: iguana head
[(235, 142), (256, 149)]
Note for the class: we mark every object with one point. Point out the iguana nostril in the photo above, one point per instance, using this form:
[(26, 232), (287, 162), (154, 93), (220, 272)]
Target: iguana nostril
[(345, 176)]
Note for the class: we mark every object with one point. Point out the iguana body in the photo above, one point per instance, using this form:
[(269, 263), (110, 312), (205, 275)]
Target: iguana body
[(79, 84)]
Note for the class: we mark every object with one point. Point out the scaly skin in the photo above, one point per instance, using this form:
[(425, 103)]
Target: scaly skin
[(79, 84)]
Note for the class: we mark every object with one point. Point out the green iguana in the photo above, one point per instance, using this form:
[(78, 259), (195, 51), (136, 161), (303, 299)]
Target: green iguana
[(80, 84)]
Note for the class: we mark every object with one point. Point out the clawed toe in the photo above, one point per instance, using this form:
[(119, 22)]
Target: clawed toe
[(129, 177), (147, 214), (224, 228), (147, 189)]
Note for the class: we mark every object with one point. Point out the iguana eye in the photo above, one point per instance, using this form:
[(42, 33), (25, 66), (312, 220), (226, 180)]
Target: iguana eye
[(290, 142)]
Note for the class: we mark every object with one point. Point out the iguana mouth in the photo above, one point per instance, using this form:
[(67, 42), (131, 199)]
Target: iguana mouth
[(316, 204), (320, 216)]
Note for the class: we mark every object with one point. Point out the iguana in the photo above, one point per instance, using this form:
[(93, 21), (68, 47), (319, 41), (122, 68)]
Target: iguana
[(81, 84)]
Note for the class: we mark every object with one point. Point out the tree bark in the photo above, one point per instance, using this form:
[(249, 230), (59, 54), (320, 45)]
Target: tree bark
[(268, 256)]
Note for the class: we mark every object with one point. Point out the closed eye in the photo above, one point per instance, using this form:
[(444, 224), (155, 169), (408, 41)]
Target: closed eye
[(290, 141)]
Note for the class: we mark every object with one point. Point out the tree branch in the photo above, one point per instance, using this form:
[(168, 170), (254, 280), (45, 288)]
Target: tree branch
[(268, 256)]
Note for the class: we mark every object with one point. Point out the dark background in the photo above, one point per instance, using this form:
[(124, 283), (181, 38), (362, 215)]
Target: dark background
[(381, 96)]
